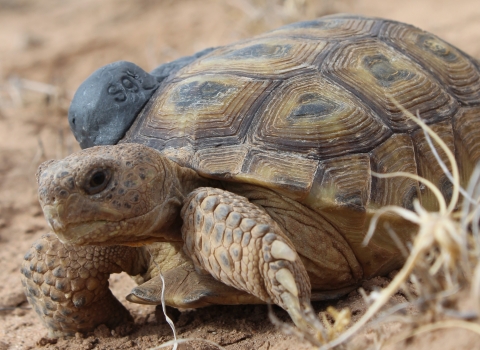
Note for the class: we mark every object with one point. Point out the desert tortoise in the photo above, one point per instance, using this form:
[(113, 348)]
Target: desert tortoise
[(250, 163)]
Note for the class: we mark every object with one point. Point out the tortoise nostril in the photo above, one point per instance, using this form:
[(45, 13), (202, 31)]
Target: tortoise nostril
[(97, 181)]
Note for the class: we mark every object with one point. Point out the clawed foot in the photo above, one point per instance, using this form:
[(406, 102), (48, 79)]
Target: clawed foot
[(68, 285)]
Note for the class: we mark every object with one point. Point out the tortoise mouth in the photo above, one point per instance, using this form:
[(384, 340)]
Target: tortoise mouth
[(84, 233), (101, 233)]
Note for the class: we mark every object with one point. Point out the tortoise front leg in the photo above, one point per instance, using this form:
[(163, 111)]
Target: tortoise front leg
[(240, 245), (68, 285)]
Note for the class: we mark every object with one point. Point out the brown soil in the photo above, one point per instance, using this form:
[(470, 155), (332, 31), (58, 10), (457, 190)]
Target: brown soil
[(47, 48)]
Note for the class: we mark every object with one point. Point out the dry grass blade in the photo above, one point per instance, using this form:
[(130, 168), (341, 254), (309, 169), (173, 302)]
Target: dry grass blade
[(175, 342), (445, 170), (36, 86), (333, 322), (341, 320), (168, 319), (471, 210), (187, 340)]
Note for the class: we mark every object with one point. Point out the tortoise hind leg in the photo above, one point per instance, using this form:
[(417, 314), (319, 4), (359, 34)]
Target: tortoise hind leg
[(241, 246), (68, 285), (187, 289)]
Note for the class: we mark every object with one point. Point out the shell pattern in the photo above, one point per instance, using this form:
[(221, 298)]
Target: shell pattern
[(306, 110)]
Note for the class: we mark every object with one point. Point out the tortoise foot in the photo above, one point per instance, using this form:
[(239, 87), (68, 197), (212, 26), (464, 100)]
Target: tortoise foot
[(68, 285)]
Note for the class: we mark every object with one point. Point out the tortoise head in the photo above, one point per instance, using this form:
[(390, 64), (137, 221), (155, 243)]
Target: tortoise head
[(106, 104), (123, 194)]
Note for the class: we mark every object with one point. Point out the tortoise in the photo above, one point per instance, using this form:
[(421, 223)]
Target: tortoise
[(244, 173)]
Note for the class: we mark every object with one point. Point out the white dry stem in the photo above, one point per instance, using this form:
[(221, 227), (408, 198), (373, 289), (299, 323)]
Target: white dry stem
[(175, 341), (471, 211), (437, 228), (18, 85), (168, 319), (398, 242), (187, 340), (445, 170), (15, 94), (475, 288), (471, 218), (421, 245), (451, 158)]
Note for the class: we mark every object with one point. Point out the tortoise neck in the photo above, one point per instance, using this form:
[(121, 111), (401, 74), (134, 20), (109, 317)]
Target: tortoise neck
[(169, 192), (185, 180)]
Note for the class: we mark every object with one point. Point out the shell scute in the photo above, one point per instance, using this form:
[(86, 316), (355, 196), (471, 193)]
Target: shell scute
[(395, 154), (376, 72), (447, 63), (206, 109), (428, 166), (271, 58), (466, 124), (312, 115), (220, 162), (287, 173), (341, 182)]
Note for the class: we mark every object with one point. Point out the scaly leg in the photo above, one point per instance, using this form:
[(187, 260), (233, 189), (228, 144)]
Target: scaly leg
[(187, 289), (68, 285), (240, 245), (184, 287)]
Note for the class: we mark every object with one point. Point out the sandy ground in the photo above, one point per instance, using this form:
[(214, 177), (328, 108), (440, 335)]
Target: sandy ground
[(47, 48)]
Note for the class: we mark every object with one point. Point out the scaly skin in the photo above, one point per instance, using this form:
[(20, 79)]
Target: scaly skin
[(131, 195), (239, 244), (67, 285), (184, 287), (139, 201)]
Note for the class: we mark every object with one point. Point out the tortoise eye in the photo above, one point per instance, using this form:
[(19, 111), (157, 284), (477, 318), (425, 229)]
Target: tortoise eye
[(97, 182)]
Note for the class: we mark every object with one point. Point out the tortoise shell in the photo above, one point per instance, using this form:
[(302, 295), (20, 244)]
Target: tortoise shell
[(306, 110), (294, 108)]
